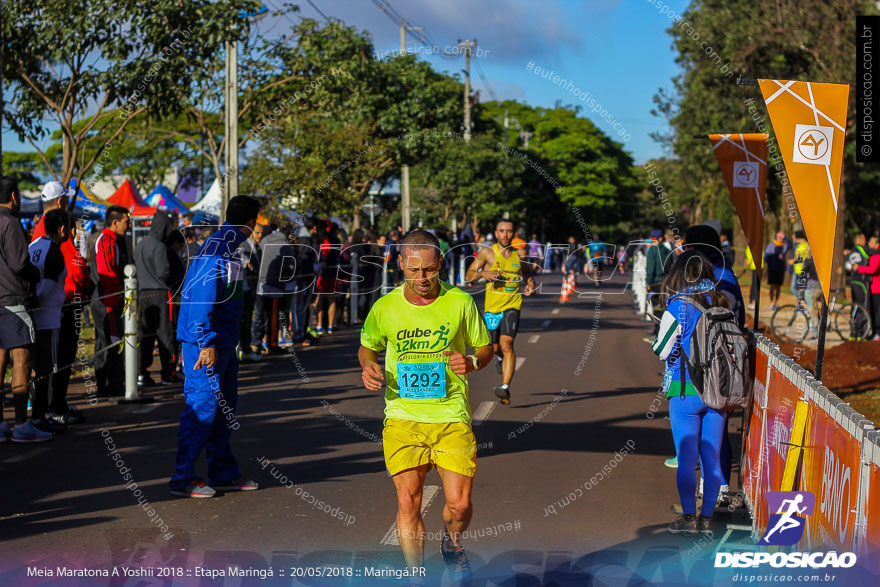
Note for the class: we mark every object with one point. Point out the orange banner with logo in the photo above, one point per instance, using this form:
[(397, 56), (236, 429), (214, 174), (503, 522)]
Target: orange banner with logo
[(743, 161), (810, 123)]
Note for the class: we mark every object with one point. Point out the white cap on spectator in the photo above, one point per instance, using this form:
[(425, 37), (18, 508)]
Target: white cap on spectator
[(52, 191)]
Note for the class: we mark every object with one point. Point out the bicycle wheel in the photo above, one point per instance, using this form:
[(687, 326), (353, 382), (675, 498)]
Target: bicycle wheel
[(790, 323), (852, 321)]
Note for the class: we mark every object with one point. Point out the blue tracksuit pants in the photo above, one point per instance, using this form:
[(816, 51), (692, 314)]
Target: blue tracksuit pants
[(208, 418)]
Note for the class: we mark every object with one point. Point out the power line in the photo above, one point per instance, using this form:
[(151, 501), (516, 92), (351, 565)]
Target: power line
[(485, 79), (313, 5)]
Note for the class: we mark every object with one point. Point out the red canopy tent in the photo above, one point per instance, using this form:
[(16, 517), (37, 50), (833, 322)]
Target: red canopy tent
[(128, 197)]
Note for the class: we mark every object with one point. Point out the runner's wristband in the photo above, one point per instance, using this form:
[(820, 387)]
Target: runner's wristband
[(475, 362)]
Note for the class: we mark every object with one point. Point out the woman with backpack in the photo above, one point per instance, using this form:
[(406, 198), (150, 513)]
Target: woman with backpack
[(696, 428)]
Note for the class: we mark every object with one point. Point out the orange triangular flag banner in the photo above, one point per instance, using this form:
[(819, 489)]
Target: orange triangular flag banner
[(743, 161), (810, 123)]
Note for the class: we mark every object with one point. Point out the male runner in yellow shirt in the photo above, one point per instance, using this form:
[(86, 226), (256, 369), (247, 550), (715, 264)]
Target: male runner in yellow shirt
[(424, 327), (504, 292)]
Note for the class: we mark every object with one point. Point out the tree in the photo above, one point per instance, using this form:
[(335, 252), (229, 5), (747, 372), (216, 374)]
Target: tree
[(350, 123), (116, 58), (799, 40), (473, 180)]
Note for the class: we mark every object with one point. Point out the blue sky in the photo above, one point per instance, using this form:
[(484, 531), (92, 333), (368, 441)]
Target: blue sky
[(616, 50)]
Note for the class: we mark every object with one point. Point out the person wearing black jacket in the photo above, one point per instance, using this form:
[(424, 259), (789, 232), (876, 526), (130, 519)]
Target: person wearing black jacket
[(659, 260), (18, 280), (860, 285), (158, 278)]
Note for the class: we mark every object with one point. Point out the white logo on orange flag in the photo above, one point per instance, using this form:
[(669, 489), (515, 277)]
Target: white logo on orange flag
[(810, 122), (743, 161)]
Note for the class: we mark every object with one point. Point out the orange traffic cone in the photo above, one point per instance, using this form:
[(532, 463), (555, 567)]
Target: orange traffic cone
[(563, 296)]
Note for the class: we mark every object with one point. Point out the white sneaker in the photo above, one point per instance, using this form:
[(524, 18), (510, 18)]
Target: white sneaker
[(27, 432), (5, 431)]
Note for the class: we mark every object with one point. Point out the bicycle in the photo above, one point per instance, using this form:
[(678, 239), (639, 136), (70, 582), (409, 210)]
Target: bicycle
[(850, 320)]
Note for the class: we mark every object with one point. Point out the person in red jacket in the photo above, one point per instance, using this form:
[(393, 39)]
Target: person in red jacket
[(873, 269), (106, 262), (77, 288)]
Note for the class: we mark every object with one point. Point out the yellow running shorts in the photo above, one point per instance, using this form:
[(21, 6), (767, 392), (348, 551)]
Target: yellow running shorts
[(449, 445)]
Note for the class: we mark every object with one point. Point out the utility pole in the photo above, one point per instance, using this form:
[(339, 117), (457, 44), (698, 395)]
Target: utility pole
[(468, 47), (506, 126), (405, 204), (230, 181)]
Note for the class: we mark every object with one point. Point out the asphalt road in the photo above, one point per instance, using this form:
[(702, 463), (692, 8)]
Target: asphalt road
[(570, 482)]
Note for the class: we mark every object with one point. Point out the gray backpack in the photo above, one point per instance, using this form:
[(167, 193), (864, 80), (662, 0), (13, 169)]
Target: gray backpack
[(718, 359)]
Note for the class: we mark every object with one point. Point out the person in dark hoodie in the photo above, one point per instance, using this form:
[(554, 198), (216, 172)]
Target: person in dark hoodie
[(18, 280), (212, 299), (158, 279), (277, 268)]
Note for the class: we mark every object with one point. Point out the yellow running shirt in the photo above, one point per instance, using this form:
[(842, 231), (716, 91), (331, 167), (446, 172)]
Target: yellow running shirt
[(419, 384), (505, 295)]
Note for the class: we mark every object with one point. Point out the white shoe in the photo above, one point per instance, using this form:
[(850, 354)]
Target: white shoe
[(27, 432)]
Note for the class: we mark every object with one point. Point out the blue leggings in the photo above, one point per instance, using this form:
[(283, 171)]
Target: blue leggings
[(697, 431)]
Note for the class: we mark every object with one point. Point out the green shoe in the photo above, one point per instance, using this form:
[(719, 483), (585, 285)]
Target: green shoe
[(671, 463)]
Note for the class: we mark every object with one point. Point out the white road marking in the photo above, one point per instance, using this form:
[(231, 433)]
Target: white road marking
[(519, 362), (534, 338), (26, 455), (481, 414), (428, 495), (145, 409), (555, 311), (545, 323)]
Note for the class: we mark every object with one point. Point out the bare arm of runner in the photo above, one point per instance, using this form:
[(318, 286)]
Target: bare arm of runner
[(526, 273), (484, 258), (372, 375)]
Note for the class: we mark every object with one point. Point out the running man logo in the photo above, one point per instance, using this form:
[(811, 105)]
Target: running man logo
[(745, 174), (786, 525), (812, 144)]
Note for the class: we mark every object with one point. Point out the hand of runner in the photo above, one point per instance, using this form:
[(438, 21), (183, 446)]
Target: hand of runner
[(207, 356), (490, 275), (459, 364), (530, 287), (372, 376)]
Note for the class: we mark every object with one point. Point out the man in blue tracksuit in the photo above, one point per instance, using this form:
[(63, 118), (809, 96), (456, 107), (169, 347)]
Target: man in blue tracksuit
[(212, 299)]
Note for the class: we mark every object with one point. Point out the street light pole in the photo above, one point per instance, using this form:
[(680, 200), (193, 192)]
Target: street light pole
[(468, 47), (230, 181), (405, 203)]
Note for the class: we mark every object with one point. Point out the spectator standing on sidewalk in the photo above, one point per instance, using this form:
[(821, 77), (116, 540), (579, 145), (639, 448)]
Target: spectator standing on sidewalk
[(77, 289), (873, 269), (158, 278), (46, 256), (276, 271), (658, 262), (106, 262), (251, 254), (210, 312), (18, 279), (774, 258)]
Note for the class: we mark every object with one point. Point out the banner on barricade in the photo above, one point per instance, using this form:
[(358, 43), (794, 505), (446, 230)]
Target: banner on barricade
[(871, 537), (810, 123), (831, 469), (743, 161), (753, 446)]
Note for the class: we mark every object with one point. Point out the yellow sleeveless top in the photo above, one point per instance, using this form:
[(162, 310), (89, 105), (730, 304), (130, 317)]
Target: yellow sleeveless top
[(505, 295)]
